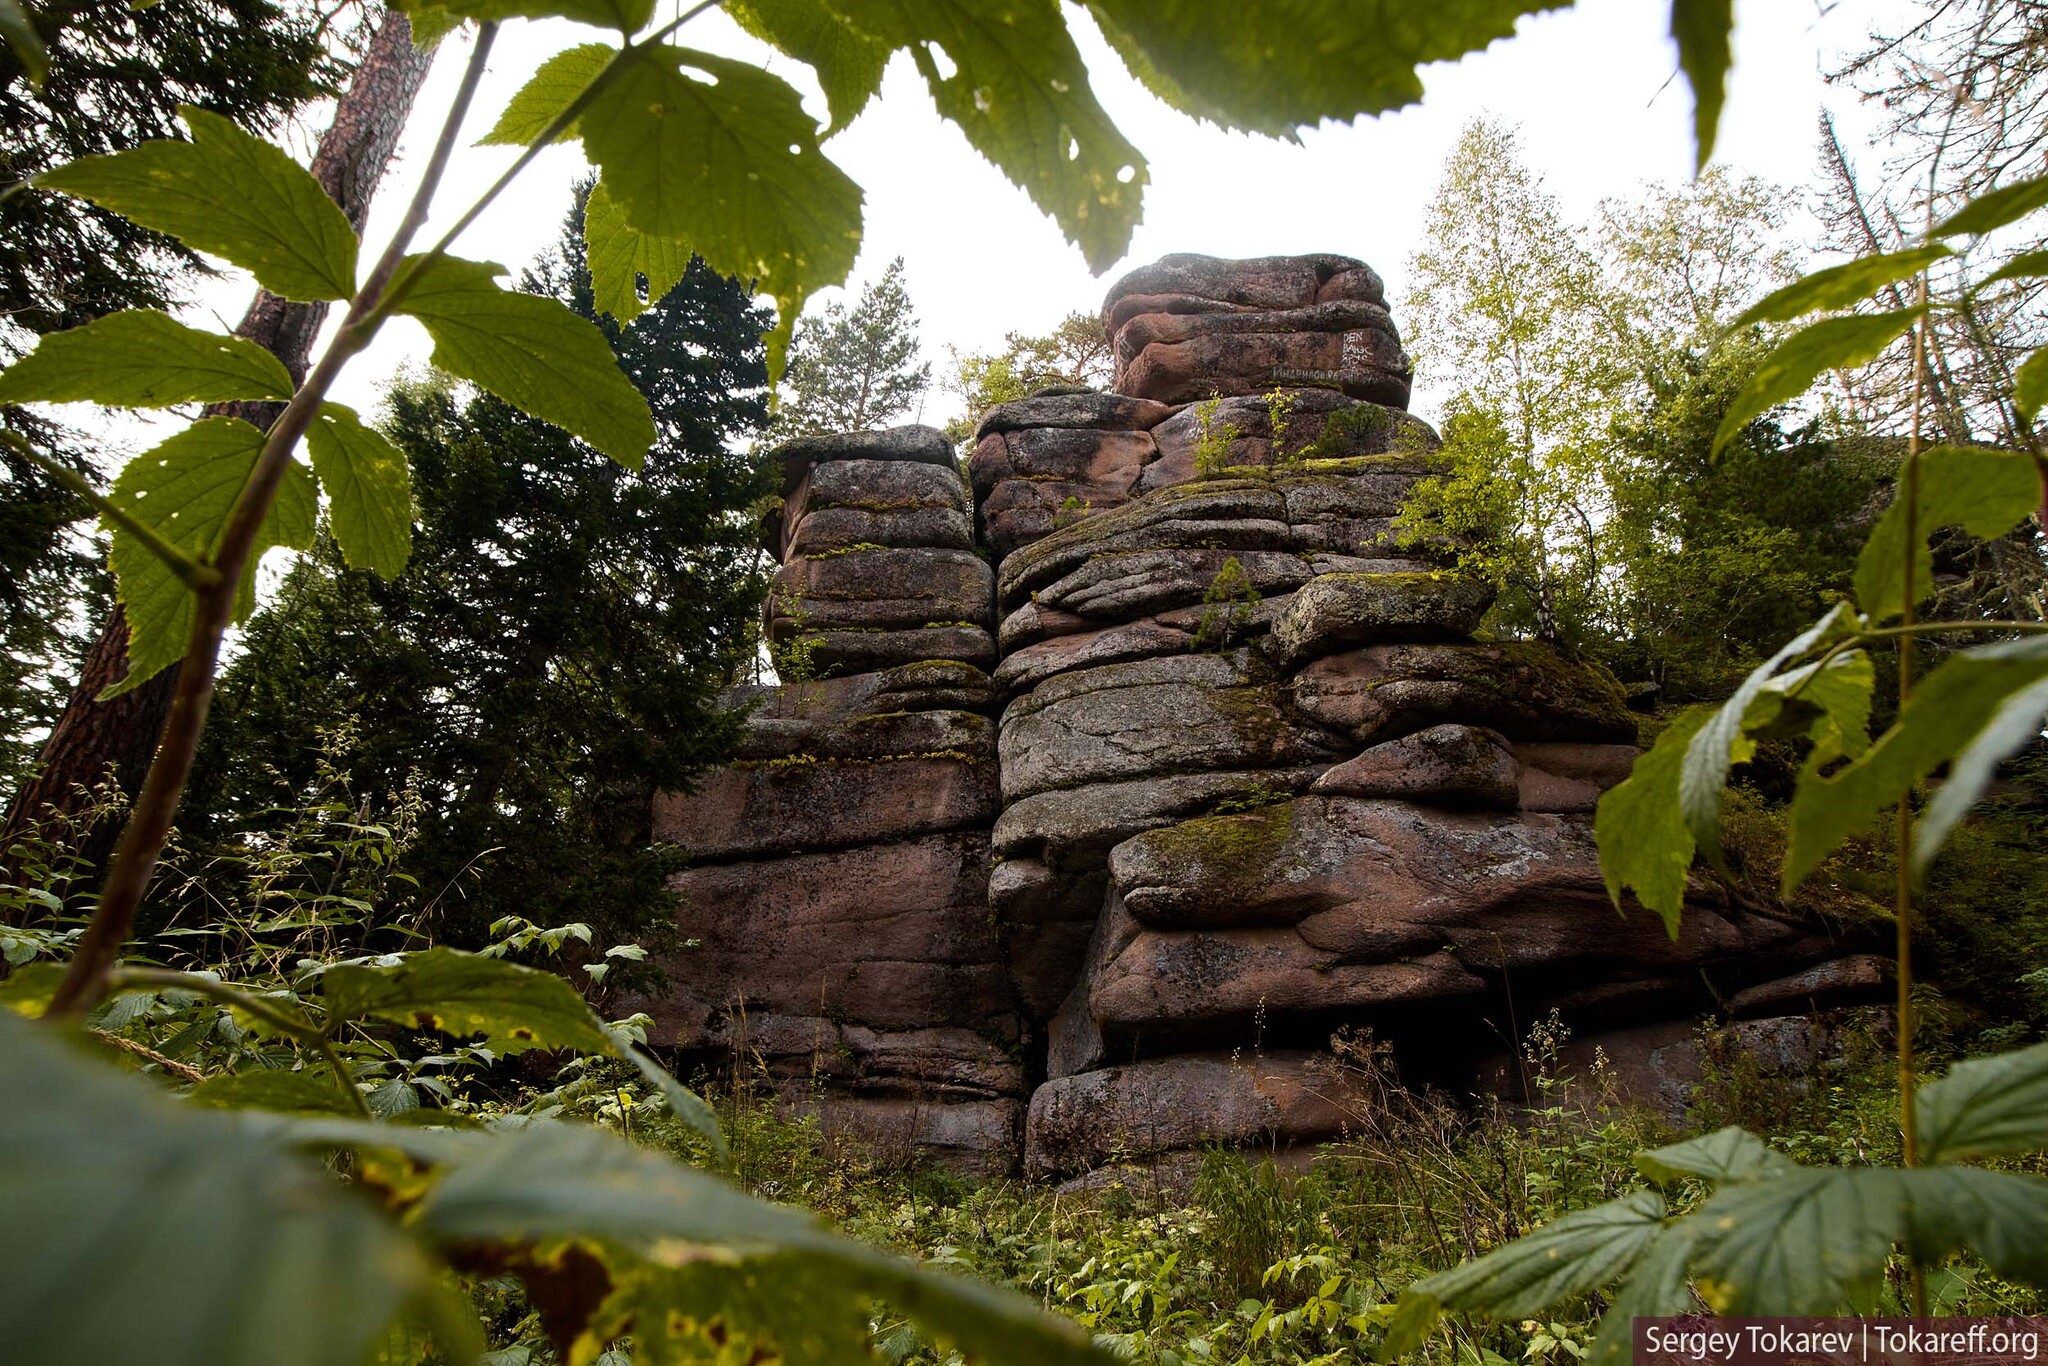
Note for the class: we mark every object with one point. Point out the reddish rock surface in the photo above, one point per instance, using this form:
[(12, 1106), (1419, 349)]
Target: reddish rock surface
[(1153, 748)]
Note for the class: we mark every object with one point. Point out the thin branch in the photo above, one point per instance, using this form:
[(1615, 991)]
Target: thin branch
[(194, 575), (298, 1026)]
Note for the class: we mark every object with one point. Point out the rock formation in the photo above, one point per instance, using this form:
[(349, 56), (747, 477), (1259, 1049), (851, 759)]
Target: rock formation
[(1090, 852)]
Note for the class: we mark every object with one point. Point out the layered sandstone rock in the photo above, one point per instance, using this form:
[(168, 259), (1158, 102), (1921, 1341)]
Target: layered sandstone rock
[(1172, 751)]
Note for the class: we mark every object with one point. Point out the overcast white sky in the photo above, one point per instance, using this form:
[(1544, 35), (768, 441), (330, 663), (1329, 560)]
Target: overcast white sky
[(1590, 87)]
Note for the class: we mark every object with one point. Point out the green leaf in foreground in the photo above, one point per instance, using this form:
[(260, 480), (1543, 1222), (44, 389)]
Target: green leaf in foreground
[(619, 256), (1986, 1107), (1703, 30), (20, 35), (1568, 1256), (550, 90), (230, 194), (184, 489), (1728, 1154), (1791, 367), (1993, 210), (2030, 385), (1644, 843), (532, 352), (142, 1230), (261, 1089), (847, 62), (369, 489), (143, 359), (1949, 710), (720, 154), (1841, 286), (1019, 91), (626, 16), (1983, 491), (2016, 724), (1724, 741), (464, 994), (1280, 65)]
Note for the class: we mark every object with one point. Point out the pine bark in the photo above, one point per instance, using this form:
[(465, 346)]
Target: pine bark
[(93, 740)]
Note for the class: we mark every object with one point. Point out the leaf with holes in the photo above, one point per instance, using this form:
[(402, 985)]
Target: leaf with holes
[(1986, 1107), (532, 352), (1285, 64), (144, 1230), (1017, 87), (547, 93), (1983, 491), (1841, 286), (1791, 367), (515, 1008), (231, 195), (1644, 843), (1956, 704), (720, 154), (619, 257), (184, 490), (369, 489), (847, 62), (143, 359)]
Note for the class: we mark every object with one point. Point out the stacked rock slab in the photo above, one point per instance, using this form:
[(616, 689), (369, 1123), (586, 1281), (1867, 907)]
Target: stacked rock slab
[(838, 888), (1254, 779)]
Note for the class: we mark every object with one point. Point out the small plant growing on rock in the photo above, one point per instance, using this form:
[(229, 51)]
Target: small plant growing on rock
[(1214, 442), (1227, 607)]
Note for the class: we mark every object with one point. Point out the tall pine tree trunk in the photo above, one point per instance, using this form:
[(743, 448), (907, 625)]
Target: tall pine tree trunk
[(95, 740)]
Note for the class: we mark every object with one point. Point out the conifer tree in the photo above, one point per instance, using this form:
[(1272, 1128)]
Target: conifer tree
[(854, 370)]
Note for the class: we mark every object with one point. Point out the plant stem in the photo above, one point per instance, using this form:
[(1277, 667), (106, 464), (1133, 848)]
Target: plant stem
[(1902, 892), (298, 1026), (194, 575), (156, 808)]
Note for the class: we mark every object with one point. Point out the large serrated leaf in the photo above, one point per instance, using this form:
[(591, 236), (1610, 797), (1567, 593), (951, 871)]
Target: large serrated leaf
[(143, 359), (847, 62), (230, 194), (1019, 90), (730, 165), (534, 353), (1841, 286), (1643, 839), (1814, 1241), (1729, 1154), (1986, 1107), (1568, 1256), (1985, 492), (184, 490), (1723, 741), (140, 1230), (1704, 31), (369, 489), (2002, 1217), (547, 93), (619, 256), (1949, 710), (1791, 367), (515, 1008), (1280, 65), (1656, 1288)]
